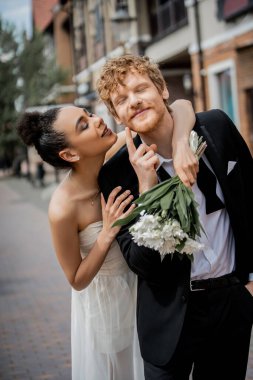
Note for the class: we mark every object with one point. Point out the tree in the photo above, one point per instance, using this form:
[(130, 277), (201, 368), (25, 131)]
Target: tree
[(8, 91), (38, 71), (28, 73)]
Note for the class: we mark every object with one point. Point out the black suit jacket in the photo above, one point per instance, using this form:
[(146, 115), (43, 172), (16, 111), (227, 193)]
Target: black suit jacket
[(163, 287)]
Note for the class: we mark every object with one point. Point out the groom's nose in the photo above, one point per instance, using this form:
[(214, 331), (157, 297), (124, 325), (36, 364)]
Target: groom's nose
[(134, 100)]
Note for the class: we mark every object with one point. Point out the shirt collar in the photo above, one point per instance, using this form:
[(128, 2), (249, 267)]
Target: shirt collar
[(163, 160)]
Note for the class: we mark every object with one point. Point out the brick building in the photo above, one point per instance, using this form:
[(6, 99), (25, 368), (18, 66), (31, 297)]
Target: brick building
[(54, 21)]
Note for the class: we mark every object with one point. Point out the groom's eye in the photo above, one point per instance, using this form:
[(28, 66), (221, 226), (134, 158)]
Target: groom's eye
[(120, 101)]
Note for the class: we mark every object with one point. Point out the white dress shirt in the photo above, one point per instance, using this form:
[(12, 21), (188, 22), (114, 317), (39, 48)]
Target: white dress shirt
[(218, 256)]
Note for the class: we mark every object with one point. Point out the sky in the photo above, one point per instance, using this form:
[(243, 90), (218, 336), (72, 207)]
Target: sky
[(17, 12)]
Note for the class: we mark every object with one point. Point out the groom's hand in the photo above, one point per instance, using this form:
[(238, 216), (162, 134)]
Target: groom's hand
[(144, 161)]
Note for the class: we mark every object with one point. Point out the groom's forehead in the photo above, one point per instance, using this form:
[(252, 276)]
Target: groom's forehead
[(130, 79)]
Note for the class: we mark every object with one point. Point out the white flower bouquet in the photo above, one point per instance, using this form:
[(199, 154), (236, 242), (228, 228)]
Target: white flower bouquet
[(169, 220)]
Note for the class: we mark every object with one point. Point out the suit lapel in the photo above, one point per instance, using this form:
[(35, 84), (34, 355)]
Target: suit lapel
[(137, 141), (214, 156)]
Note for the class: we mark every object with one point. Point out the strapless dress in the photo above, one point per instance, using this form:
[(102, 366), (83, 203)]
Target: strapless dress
[(104, 341)]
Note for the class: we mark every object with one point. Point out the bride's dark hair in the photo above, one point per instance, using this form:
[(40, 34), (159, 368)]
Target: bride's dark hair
[(36, 129)]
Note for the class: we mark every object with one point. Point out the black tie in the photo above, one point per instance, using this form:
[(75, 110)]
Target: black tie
[(162, 174), (206, 181)]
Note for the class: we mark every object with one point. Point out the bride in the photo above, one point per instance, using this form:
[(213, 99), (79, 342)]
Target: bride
[(103, 333)]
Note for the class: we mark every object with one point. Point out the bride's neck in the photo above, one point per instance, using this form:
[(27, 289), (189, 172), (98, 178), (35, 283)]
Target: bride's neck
[(84, 180)]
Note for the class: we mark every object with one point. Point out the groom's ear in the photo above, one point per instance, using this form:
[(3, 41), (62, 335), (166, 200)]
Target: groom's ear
[(165, 93)]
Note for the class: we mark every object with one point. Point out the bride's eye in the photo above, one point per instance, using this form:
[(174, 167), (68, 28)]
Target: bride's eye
[(83, 126)]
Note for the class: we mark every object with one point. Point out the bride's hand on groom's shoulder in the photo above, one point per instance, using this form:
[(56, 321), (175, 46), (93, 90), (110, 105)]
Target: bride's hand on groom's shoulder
[(185, 163)]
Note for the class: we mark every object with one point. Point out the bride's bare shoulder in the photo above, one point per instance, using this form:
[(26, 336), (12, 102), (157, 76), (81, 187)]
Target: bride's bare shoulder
[(60, 205)]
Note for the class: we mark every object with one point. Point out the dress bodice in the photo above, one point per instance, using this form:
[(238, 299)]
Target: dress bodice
[(114, 263)]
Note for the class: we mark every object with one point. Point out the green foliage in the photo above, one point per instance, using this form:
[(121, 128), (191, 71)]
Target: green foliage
[(28, 73), (8, 89), (38, 70), (8, 72)]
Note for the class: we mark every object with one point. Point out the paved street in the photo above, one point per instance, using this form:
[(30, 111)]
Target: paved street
[(34, 295)]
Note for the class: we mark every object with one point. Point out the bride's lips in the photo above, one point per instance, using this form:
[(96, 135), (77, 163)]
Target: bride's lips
[(106, 132)]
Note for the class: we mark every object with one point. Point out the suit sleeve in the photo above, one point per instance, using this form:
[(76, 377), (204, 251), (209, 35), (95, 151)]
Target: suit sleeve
[(143, 261), (245, 162)]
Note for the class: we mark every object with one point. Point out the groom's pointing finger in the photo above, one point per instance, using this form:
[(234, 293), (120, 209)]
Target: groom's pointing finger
[(129, 142)]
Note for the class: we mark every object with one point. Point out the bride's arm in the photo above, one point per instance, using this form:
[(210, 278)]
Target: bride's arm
[(64, 230), (184, 161)]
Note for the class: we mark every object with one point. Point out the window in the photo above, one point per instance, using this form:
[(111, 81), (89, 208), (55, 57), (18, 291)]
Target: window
[(222, 85), (225, 92), (97, 22), (166, 16), (229, 9), (121, 5)]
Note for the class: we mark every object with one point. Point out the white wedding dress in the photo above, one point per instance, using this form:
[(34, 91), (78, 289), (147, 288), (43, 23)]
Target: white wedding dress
[(104, 341)]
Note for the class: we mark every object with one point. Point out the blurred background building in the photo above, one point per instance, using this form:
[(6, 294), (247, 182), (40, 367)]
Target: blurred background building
[(204, 48), (52, 19)]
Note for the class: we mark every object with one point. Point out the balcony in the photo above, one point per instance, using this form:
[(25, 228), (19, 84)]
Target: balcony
[(166, 17)]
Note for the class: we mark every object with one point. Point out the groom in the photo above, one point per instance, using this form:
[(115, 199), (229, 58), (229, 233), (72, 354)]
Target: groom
[(190, 316)]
